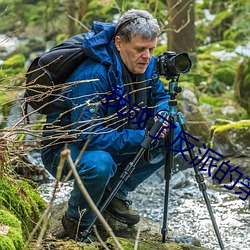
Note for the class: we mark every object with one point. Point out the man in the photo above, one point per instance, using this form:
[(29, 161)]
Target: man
[(109, 114)]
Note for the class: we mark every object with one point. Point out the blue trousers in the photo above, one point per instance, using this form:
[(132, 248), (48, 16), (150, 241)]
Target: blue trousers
[(99, 171)]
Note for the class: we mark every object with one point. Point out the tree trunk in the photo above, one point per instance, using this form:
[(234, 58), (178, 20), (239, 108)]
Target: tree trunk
[(181, 27), (71, 6), (83, 7)]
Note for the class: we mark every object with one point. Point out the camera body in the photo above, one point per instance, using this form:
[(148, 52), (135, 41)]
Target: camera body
[(171, 65)]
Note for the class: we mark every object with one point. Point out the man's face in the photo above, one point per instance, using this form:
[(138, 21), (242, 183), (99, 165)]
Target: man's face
[(137, 53)]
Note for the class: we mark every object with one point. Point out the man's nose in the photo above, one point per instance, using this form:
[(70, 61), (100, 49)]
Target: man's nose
[(146, 54)]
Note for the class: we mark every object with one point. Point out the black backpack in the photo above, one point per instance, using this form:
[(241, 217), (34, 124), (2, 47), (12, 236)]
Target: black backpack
[(47, 74)]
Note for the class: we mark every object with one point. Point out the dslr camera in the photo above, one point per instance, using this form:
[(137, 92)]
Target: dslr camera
[(171, 65)]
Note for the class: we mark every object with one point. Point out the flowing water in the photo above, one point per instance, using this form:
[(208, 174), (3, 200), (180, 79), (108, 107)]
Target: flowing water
[(187, 211)]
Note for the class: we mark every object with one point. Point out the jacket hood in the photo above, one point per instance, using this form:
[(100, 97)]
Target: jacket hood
[(98, 43)]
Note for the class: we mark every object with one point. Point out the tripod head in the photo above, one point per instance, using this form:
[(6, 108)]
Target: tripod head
[(173, 88)]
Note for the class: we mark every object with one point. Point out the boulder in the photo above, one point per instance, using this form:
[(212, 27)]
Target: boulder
[(231, 139), (196, 123), (149, 238)]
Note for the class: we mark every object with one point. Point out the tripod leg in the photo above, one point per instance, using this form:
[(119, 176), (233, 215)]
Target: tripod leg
[(200, 180), (169, 163)]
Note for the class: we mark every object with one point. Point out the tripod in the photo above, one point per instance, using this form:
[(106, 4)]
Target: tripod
[(169, 163), (173, 90)]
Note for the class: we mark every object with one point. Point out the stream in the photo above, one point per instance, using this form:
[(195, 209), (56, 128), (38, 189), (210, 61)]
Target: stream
[(187, 211)]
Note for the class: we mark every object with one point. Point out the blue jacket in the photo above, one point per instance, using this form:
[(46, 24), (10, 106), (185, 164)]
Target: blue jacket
[(89, 116)]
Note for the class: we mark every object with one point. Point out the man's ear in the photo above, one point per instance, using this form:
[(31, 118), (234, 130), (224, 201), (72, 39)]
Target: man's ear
[(118, 42)]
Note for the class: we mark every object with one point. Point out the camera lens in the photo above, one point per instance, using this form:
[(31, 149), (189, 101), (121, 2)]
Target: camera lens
[(182, 63)]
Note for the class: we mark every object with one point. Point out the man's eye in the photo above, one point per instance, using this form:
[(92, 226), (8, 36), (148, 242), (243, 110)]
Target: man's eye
[(139, 50)]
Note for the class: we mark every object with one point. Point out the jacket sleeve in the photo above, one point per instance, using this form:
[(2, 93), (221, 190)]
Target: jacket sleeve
[(89, 119)]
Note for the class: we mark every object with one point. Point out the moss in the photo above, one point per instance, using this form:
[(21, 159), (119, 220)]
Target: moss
[(9, 219), (21, 199), (13, 239), (6, 243), (13, 71), (237, 125), (16, 237)]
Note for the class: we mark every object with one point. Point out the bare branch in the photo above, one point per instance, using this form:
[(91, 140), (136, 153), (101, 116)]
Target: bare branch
[(66, 154)]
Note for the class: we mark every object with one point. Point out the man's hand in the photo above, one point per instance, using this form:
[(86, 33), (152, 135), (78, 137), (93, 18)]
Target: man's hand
[(164, 124)]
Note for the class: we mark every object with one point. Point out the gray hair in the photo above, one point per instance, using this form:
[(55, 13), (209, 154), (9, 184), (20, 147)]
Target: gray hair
[(137, 22)]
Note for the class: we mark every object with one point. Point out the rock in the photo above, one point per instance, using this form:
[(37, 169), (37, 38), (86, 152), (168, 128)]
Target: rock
[(243, 163), (197, 125), (231, 139), (228, 110), (149, 238), (182, 180), (189, 96), (206, 109)]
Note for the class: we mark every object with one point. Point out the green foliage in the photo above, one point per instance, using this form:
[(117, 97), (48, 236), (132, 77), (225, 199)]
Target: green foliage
[(17, 61), (219, 102), (224, 75), (242, 84), (214, 101), (216, 67), (229, 23), (160, 49), (12, 67), (221, 23)]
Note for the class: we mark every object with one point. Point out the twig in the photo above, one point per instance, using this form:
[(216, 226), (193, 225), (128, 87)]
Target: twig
[(77, 21), (137, 236), (99, 238), (66, 154)]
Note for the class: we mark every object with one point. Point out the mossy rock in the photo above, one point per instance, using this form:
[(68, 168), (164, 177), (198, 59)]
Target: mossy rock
[(22, 200), (231, 139), (11, 237)]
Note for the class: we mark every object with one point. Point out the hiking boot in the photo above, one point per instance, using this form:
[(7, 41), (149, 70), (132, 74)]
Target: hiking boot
[(75, 231), (121, 211)]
